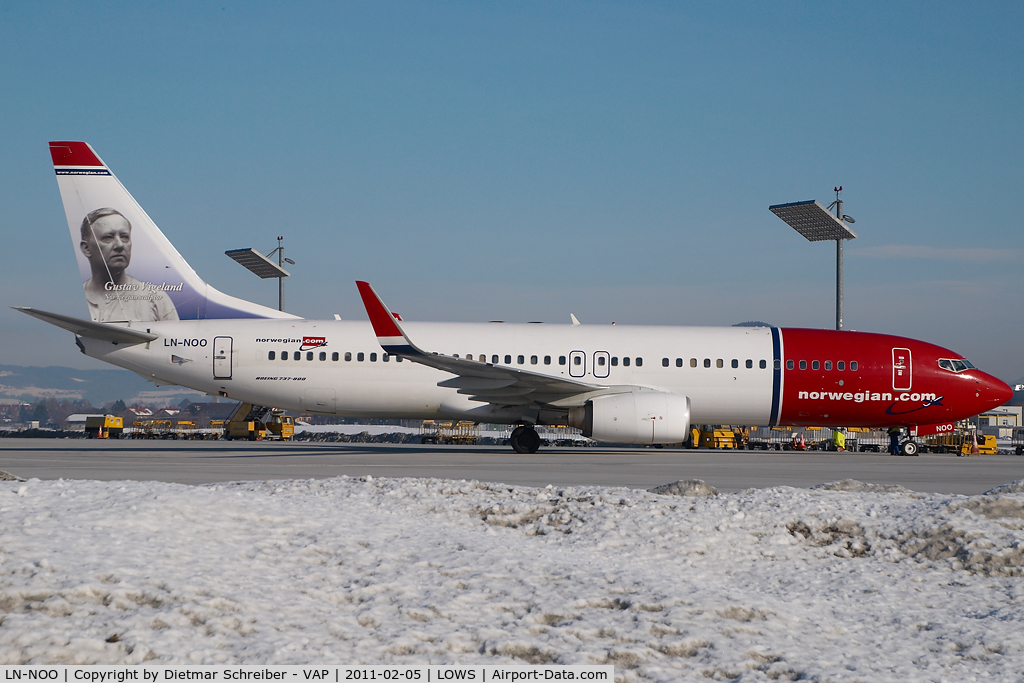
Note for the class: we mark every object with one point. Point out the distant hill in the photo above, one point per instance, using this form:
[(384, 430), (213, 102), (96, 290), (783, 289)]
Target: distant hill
[(752, 323), (29, 384)]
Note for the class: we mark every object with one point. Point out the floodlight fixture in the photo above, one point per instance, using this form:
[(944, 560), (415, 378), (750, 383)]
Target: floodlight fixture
[(813, 221), (257, 263)]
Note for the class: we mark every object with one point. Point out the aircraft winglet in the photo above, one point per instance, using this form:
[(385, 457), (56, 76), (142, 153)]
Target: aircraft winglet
[(385, 324)]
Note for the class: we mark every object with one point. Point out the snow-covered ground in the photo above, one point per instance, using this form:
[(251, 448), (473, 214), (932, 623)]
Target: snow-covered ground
[(848, 582)]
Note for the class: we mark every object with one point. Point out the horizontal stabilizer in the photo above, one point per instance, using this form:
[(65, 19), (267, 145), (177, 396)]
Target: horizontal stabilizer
[(87, 328)]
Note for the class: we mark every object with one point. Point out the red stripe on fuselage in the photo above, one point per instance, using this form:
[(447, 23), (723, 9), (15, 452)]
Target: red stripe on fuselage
[(866, 397)]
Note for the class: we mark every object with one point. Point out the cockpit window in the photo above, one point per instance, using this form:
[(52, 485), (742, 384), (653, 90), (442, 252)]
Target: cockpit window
[(955, 364)]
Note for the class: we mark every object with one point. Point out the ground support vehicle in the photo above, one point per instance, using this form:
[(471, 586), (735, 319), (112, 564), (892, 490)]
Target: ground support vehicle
[(448, 432), (986, 444), (255, 423), (714, 436), (948, 442), (104, 427), (1017, 440)]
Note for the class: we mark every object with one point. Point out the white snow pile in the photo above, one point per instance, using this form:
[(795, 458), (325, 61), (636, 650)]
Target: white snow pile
[(847, 582)]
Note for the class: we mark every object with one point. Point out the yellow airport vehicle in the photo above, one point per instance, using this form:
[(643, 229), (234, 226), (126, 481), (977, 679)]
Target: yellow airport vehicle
[(714, 436), (252, 422), (986, 444), (104, 427)]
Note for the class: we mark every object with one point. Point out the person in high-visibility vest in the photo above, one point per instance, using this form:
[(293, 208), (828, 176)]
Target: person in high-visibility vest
[(839, 439)]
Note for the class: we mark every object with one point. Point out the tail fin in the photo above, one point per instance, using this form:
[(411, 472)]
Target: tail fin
[(130, 271)]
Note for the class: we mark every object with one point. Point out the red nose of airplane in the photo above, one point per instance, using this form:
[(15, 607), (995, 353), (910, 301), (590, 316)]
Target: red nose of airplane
[(992, 392)]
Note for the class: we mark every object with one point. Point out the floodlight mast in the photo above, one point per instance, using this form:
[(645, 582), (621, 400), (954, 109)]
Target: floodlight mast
[(815, 223)]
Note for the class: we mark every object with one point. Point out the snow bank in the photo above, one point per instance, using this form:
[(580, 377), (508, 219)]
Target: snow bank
[(844, 582)]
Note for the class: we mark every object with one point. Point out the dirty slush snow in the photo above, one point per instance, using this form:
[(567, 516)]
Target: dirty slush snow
[(844, 582)]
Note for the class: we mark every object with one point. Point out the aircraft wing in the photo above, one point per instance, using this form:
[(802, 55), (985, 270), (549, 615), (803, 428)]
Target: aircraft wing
[(90, 329), (481, 381)]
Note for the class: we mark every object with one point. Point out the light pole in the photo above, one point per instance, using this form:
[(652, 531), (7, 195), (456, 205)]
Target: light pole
[(815, 223)]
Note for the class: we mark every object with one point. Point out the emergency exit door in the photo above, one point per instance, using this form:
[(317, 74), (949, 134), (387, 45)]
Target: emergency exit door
[(902, 370), (222, 357)]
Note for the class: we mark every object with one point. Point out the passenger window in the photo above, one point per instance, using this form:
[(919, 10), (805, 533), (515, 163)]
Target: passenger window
[(309, 355), (789, 365), (547, 360), (323, 355), (735, 363), (398, 359), (576, 360), (625, 361), (828, 365), (841, 365), (508, 359), (561, 360), (764, 364), (373, 358), (334, 356), (693, 362), (664, 362), (707, 362), (639, 362), (494, 359), (803, 365), (719, 363), (533, 360), (360, 357), (384, 357), (284, 355), (615, 360), (679, 362), (297, 356), (348, 355), (814, 365), (750, 363), (853, 366), (600, 361), (521, 359), (270, 356)]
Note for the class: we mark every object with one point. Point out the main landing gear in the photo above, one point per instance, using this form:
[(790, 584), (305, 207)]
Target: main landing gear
[(524, 439), (908, 447)]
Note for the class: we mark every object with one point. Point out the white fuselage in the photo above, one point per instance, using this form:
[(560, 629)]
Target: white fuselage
[(365, 382)]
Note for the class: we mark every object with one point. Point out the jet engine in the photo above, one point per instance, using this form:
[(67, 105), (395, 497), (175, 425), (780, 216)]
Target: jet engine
[(643, 417)]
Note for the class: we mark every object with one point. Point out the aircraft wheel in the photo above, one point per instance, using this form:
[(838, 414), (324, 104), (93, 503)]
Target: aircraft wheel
[(524, 439), (908, 448)]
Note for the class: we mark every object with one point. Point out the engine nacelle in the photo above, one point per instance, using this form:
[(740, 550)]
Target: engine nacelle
[(643, 417)]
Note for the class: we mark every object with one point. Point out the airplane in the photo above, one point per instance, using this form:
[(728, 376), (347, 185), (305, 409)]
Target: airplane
[(151, 313)]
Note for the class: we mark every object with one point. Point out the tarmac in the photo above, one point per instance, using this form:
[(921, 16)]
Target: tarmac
[(205, 462)]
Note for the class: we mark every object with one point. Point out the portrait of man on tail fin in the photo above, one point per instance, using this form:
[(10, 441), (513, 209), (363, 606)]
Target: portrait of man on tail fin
[(113, 294)]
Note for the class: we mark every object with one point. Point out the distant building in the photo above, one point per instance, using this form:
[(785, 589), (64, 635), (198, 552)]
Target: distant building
[(76, 422)]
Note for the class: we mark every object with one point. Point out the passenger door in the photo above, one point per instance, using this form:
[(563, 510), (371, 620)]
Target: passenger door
[(222, 357), (902, 370)]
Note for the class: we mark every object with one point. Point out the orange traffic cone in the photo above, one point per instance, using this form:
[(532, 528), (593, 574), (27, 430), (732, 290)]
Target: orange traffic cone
[(974, 443)]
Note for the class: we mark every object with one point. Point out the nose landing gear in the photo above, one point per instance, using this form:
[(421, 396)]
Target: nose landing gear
[(524, 439)]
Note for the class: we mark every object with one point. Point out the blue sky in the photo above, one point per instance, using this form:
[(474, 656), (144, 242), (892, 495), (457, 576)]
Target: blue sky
[(521, 161)]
